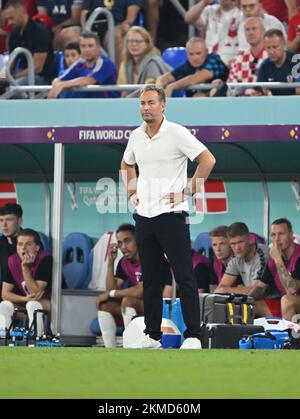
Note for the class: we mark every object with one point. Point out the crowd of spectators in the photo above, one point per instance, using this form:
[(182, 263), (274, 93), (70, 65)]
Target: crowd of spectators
[(238, 41)]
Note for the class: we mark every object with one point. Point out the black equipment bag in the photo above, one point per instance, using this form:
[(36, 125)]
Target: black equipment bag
[(227, 308), (226, 336)]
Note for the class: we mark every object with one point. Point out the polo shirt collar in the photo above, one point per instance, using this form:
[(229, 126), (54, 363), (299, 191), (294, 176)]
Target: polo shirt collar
[(162, 128)]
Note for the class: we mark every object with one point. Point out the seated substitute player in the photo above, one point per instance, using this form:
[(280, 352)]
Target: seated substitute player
[(222, 255), (283, 270), (28, 280), (10, 224), (249, 262), (119, 301)]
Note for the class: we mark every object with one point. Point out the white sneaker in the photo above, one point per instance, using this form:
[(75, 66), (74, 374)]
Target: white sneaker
[(146, 343), (191, 343)]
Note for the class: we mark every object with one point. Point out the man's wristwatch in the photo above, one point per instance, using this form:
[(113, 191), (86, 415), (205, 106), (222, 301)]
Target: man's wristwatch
[(187, 192), (112, 293)]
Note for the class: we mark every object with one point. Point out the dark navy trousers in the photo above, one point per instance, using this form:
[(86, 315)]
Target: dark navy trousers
[(167, 234)]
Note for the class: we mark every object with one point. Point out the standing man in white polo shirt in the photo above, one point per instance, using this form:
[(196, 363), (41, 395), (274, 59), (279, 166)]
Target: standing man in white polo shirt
[(161, 150)]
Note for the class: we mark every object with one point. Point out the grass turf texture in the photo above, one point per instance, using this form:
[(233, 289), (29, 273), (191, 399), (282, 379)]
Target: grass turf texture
[(119, 373)]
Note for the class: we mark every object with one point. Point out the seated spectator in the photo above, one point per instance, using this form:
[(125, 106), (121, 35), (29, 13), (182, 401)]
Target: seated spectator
[(33, 35), (244, 68), (142, 63), (5, 28), (64, 13), (124, 12), (118, 301), (71, 54), (90, 69), (293, 43), (223, 254), (249, 263), (253, 8), (200, 67), (220, 24), (10, 226), (278, 67), (28, 280), (283, 271), (283, 10)]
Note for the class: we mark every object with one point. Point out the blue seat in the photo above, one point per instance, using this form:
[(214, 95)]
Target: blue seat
[(45, 241), (175, 56), (203, 245), (76, 252)]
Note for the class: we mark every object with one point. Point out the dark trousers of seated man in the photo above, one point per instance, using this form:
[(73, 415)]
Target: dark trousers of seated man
[(167, 234)]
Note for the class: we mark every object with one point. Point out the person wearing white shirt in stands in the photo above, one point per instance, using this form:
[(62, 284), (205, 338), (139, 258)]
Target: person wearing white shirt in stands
[(220, 23), (253, 8)]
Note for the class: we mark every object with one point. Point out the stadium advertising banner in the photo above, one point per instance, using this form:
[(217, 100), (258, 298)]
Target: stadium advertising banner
[(120, 134)]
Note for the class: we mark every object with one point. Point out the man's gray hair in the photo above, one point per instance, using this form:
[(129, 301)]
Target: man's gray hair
[(153, 88), (256, 19)]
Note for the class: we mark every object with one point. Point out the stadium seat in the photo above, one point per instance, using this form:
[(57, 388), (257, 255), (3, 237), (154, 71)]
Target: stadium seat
[(76, 251), (203, 245), (45, 241), (175, 56)]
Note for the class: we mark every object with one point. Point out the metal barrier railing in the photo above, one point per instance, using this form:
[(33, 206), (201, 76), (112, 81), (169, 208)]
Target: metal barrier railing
[(110, 31), (131, 87), (30, 66), (182, 11)]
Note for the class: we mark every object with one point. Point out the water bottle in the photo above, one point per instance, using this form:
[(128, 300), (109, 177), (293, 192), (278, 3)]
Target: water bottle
[(177, 317), (166, 314)]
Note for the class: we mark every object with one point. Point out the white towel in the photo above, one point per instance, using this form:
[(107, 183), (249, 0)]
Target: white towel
[(100, 260)]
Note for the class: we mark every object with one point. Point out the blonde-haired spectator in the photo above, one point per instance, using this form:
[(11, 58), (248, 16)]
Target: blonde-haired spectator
[(141, 63)]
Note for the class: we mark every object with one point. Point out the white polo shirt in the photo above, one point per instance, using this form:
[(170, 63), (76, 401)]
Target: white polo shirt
[(162, 163)]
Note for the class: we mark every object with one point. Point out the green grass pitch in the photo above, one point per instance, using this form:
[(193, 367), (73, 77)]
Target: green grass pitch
[(122, 373)]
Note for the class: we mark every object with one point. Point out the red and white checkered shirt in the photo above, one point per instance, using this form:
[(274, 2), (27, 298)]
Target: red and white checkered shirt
[(245, 66)]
